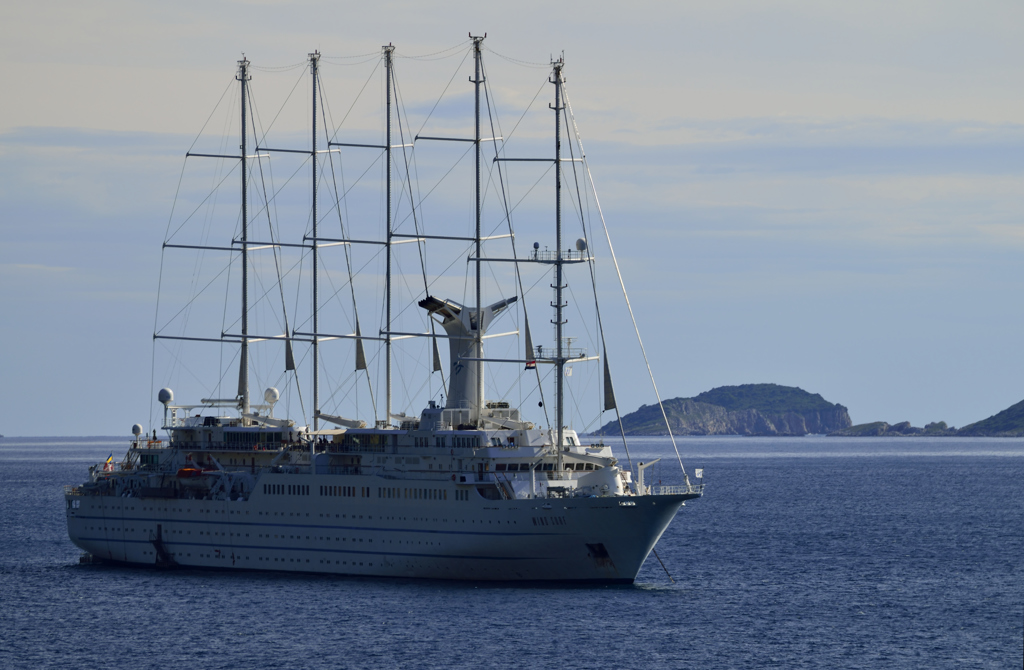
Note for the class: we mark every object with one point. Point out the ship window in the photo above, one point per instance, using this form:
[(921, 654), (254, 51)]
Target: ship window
[(549, 466), (499, 467)]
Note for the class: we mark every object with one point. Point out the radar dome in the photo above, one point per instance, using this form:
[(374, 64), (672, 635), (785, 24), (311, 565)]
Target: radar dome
[(536, 245), (581, 244), (271, 395), (165, 396), (137, 429)]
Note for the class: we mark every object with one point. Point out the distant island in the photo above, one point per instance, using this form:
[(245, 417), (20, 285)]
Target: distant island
[(771, 409), (903, 429), (748, 409), (1008, 423)]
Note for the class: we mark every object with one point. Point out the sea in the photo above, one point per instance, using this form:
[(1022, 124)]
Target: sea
[(809, 552)]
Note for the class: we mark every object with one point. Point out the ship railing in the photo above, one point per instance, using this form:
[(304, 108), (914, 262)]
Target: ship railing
[(679, 490), (336, 448), (72, 490), (234, 446), (342, 469)]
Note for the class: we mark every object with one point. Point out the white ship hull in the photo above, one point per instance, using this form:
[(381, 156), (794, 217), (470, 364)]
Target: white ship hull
[(440, 537)]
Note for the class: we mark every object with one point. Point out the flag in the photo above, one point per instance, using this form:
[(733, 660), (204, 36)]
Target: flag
[(531, 365), (699, 472), (568, 371), (110, 458), (108, 465)]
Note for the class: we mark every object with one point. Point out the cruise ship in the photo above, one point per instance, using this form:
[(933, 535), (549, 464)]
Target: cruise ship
[(467, 490)]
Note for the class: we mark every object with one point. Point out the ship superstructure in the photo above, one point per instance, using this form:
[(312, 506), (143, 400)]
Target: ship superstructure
[(468, 489)]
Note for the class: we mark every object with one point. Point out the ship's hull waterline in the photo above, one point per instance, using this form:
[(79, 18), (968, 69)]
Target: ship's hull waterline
[(555, 539)]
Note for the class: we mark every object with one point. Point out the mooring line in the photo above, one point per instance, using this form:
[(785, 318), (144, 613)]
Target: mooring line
[(663, 566)]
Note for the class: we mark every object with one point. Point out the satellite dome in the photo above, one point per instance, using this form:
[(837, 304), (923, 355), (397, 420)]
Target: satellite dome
[(271, 395), (165, 396), (581, 244), (536, 245), (137, 429)]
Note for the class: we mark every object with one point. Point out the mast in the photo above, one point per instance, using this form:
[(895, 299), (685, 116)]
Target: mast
[(314, 63), (477, 80), (243, 76), (388, 53), (559, 322)]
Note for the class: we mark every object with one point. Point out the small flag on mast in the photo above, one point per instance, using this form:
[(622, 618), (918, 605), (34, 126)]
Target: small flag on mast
[(699, 472)]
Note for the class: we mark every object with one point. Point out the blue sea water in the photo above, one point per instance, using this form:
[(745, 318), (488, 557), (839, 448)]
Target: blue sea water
[(804, 553)]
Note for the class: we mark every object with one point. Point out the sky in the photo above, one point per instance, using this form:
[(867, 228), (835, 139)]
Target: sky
[(816, 194)]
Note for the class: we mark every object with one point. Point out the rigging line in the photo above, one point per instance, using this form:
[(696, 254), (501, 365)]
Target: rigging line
[(523, 63), (443, 92), (214, 111), (191, 300), (273, 199), (180, 364), (274, 249), (345, 193), (255, 110), (276, 68), (593, 281), (622, 284), (593, 277), (522, 116), (270, 223), (436, 53), (372, 57), (508, 212), (352, 106), (337, 386), (439, 181), (372, 53), (197, 207), (341, 226)]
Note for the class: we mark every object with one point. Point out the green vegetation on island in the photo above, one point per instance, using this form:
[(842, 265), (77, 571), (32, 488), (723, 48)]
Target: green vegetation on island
[(1008, 423)]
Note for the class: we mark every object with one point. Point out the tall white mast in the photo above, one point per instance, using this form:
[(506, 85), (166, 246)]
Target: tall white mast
[(559, 321), (388, 53), (243, 370), (479, 392), (314, 62)]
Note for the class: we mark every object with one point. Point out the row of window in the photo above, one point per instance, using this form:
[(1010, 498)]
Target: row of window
[(251, 437), (374, 442), (525, 467), (345, 491), (412, 494), (286, 489)]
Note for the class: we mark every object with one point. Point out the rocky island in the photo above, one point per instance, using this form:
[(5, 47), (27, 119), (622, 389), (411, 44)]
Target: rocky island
[(748, 409), (902, 429), (1008, 423)]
